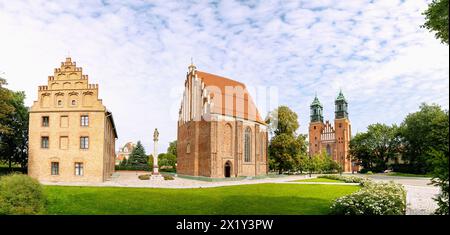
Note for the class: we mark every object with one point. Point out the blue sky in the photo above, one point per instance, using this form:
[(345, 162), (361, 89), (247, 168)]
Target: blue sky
[(138, 53)]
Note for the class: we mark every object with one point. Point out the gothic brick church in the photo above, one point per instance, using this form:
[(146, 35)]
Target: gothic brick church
[(220, 131), (333, 140)]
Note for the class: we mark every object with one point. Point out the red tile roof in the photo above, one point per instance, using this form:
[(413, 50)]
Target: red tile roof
[(230, 97)]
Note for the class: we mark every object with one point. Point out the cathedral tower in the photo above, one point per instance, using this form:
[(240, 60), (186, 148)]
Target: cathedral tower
[(315, 126), (323, 137), (342, 132)]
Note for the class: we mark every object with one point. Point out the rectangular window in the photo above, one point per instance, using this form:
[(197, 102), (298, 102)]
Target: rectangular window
[(84, 120), (63, 142), (79, 168), (45, 121), (44, 142), (84, 142), (64, 121), (55, 168)]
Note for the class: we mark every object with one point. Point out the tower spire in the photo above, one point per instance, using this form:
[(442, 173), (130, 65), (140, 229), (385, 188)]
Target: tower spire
[(192, 67)]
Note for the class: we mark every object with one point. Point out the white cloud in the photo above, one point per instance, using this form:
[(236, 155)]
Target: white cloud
[(138, 52)]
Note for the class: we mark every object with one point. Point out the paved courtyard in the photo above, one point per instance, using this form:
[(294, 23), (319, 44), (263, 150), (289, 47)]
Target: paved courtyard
[(419, 193)]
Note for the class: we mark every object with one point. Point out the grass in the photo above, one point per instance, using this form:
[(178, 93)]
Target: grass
[(408, 174), (320, 180), (229, 200)]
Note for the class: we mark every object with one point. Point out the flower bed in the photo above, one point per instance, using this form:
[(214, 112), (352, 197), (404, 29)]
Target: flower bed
[(373, 199)]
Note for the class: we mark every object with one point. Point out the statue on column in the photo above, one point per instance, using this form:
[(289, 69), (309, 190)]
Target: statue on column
[(155, 174)]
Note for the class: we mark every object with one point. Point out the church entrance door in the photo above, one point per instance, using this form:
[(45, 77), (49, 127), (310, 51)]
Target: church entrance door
[(227, 169)]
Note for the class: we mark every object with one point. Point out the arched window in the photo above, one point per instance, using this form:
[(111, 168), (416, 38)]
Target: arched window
[(228, 139), (329, 150), (247, 145), (188, 148)]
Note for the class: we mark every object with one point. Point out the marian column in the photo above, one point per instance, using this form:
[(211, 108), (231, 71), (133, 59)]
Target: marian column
[(155, 152)]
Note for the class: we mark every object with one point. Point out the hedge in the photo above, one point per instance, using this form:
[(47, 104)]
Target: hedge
[(133, 168)]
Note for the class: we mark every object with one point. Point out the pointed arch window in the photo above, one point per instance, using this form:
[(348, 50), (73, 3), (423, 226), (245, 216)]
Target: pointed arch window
[(247, 146), (188, 148), (262, 147)]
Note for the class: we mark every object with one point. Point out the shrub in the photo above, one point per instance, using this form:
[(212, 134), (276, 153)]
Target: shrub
[(373, 199), (405, 168), (369, 172), (144, 177), (346, 179), (141, 167), (164, 169), (21, 194), (168, 177)]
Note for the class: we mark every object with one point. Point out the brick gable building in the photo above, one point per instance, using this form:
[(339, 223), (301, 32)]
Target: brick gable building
[(71, 133), (220, 131)]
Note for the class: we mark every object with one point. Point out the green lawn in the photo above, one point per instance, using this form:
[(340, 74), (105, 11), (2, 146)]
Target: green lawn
[(229, 200), (407, 174), (319, 180)]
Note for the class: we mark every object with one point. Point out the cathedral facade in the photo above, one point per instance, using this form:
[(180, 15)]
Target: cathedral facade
[(220, 132), (71, 133), (334, 140)]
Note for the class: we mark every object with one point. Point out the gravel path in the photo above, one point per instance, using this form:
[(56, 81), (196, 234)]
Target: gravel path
[(420, 200), (419, 193)]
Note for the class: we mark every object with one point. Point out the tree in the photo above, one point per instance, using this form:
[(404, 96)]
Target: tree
[(283, 120), (376, 147), (303, 163), (150, 161), (322, 163), (124, 162), (285, 148), (360, 151), (5, 107), (14, 143), (314, 164), (167, 160), (172, 149), (436, 17), (421, 132), (440, 178), (138, 156)]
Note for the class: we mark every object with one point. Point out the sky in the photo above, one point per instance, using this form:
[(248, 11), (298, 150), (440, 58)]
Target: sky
[(138, 52)]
